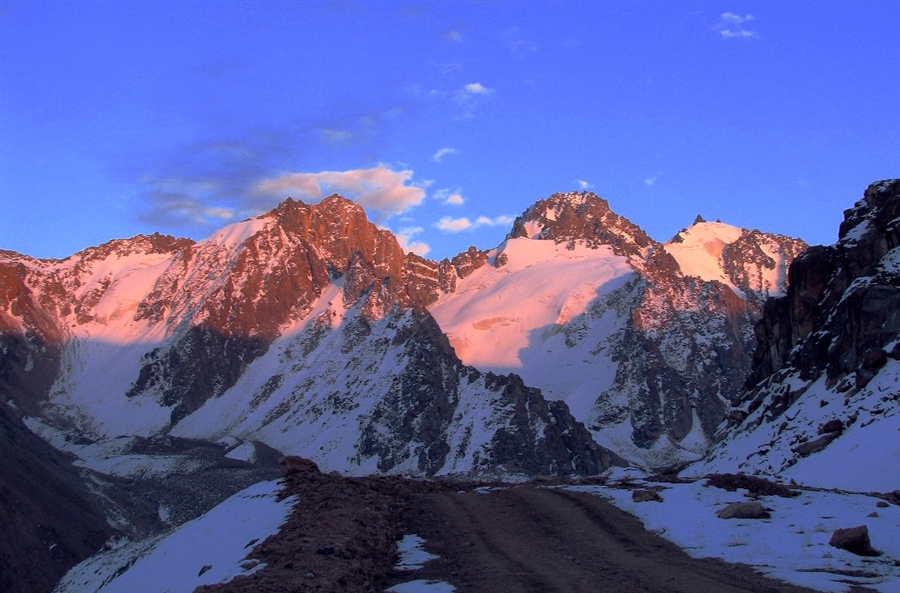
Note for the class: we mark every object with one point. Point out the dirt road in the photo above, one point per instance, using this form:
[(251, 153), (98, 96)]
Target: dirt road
[(519, 539), (540, 540)]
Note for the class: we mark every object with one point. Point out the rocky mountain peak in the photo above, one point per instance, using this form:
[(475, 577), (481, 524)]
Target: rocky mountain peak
[(580, 216)]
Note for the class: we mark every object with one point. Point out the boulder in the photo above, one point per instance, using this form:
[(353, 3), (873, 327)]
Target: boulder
[(834, 425), (294, 464), (855, 540), (743, 510), (645, 496)]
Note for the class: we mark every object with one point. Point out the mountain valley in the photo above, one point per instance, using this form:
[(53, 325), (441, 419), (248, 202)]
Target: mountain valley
[(147, 380)]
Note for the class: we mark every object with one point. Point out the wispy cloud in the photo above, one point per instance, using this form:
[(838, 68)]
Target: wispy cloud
[(381, 190), (734, 26), (442, 153), (181, 209), (455, 225), (498, 221), (518, 44), (583, 185), (208, 183), (469, 95), (651, 180), (404, 237), (452, 35), (333, 136), (449, 197)]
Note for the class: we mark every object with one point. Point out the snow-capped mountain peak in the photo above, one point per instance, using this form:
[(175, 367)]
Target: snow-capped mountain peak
[(752, 263)]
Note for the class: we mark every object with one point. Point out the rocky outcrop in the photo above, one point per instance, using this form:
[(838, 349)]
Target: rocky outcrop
[(749, 261), (826, 360), (842, 306), (580, 216)]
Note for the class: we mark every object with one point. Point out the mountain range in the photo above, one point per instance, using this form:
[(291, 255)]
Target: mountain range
[(187, 368)]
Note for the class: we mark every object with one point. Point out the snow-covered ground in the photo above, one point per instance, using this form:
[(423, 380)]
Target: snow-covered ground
[(412, 557), (865, 457), (792, 545), (210, 549)]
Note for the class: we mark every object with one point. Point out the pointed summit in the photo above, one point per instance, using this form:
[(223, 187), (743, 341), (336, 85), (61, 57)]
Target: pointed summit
[(699, 219), (580, 216)]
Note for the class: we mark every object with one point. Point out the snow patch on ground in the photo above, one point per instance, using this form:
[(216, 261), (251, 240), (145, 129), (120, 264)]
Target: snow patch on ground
[(245, 452), (865, 457), (792, 545), (413, 557), (422, 586), (210, 549)]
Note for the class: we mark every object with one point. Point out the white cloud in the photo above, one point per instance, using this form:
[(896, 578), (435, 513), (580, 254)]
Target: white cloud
[(455, 225), (583, 185), (732, 25), (449, 197), (442, 153), (500, 220), (727, 33), (472, 89), (651, 180), (468, 96), (380, 189), (735, 19), (404, 237), (476, 88)]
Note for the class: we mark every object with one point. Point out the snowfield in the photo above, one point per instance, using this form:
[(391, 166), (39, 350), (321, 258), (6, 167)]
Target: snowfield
[(207, 550), (791, 546), (512, 319), (864, 457)]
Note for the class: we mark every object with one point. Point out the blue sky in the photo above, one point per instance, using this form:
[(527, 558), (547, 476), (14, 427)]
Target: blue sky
[(444, 119)]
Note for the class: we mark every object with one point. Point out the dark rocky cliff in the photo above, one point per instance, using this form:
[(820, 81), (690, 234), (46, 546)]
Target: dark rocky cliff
[(842, 307)]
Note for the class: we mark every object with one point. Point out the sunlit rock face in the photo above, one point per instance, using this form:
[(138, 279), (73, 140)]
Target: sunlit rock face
[(304, 329), (647, 342)]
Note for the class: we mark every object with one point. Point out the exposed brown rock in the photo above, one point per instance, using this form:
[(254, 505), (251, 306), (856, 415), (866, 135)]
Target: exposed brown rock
[(642, 495), (743, 510), (294, 464), (834, 425), (582, 216), (756, 485), (855, 540)]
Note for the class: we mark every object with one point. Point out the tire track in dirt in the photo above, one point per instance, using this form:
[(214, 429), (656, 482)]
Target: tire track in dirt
[(542, 540)]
